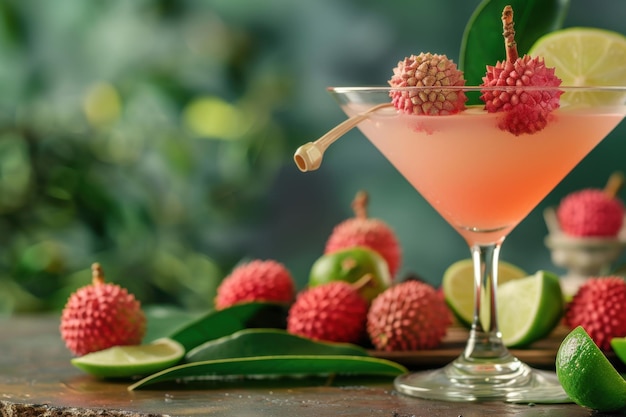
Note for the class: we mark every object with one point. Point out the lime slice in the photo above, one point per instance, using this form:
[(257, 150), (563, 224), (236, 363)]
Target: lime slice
[(529, 308), (584, 57), (586, 374), (134, 360), (619, 347), (458, 286)]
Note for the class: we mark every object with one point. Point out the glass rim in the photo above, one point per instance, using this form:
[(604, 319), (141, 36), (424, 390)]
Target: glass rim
[(465, 88)]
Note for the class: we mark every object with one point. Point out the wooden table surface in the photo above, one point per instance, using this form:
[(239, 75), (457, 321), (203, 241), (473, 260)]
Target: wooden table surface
[(37, 379)]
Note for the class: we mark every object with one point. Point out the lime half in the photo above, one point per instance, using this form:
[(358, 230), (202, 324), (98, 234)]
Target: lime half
[(134, 360), (618, 344), (584, 57), (529, 308), (586, 374), (458, 286)]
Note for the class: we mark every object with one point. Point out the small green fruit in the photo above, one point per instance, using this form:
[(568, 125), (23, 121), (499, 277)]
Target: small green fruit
[(351, 265)]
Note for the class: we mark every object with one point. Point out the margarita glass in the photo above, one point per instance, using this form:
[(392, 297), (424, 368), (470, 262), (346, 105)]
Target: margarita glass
[(483, 180)]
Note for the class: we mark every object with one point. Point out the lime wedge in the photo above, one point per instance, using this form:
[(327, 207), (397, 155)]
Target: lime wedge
[(458, 286), (529, 308), (134, 360), (584, 57), (618, 344), (586, 374)]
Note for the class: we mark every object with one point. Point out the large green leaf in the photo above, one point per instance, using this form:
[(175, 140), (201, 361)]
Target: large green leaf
[(165, 320), (483, 43), (220, 323), (267, 342), (275, 367)]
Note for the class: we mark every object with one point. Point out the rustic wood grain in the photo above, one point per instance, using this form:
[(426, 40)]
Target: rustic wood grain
[(37, 379)]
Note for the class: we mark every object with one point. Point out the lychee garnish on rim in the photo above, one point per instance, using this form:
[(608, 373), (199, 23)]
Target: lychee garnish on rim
[(525, 111), (427, 70)]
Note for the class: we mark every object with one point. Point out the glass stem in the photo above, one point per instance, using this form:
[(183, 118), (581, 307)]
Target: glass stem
[(485, 340)]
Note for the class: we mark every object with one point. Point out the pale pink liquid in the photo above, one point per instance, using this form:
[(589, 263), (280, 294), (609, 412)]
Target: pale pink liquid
[(481, 179)]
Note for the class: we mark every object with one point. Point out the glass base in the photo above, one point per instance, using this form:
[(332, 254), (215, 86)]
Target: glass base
[(455, 382)]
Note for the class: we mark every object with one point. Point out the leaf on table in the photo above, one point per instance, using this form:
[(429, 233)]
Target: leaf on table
[(267, 342), (164, 320), (483, 43), (274, 367), (220, 323)]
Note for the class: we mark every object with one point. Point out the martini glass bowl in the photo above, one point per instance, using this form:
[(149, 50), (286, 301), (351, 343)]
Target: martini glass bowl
[(483, 180)]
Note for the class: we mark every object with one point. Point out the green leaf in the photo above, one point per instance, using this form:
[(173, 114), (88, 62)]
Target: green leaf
[(483, 43), (220, 323), (267, 342), (164, 320), (275, 367)]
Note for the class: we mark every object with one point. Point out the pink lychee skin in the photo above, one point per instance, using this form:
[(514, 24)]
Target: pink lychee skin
[(371, 233), (590, 213), (427, 70), (333, 312), (524, 112), (257, 280), (411, 315), (100, 316), (599, 307)]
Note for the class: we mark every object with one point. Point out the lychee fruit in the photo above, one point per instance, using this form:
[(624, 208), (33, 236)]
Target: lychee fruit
[(427, 70), (592, 212), (101, 315), (599, 306), (411, 315), (333, 312), (526, 111), (368, 232), (257, 280)]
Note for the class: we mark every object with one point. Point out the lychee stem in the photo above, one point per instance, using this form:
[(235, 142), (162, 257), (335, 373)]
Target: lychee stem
[(614, 184), (359, 205), (362, 282), (97, 274), (509, 34)]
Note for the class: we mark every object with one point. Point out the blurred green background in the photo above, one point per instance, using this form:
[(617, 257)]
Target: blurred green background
[(156, 137)]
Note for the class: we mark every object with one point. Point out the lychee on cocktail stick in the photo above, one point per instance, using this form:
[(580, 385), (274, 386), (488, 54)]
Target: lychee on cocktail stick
[(525, 112), (308, 157)]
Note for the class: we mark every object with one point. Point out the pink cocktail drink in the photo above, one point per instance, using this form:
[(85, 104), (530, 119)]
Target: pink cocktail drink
[(484, 180)]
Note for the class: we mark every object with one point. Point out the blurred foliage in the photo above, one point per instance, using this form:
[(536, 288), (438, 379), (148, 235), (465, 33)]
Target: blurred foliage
[(140, 134), (156, 137)]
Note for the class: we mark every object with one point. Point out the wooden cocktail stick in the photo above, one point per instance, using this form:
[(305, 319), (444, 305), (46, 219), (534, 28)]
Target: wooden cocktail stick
[(308, 157)]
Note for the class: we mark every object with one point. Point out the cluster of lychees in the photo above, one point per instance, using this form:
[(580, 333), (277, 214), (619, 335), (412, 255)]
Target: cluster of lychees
[(409, 315), (406, 316), (599, 305)]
